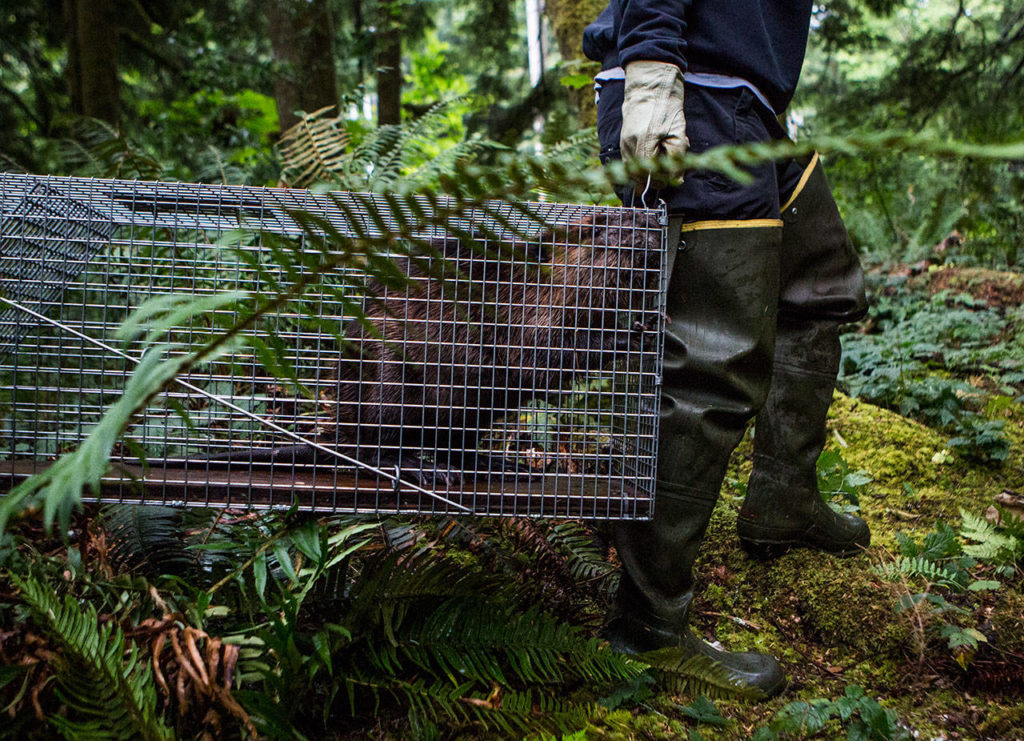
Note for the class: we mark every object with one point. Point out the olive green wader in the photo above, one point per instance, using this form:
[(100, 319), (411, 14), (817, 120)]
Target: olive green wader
[(753, 309)]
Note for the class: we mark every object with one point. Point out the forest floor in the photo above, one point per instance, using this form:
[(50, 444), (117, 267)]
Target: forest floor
[(885, 621), (356, 627)]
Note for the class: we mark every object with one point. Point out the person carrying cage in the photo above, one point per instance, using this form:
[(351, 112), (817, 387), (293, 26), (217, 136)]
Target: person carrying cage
[(763, 276)]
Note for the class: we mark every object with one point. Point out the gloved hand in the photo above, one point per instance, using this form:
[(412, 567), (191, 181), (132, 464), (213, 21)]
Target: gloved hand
[(652, 111)]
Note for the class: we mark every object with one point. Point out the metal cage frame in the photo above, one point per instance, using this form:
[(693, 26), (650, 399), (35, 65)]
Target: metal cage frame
[(528, 334)]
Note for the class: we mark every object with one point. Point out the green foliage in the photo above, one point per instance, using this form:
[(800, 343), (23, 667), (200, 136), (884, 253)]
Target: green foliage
[(702, 710), (949, 576), (989, 543), (317, 150), (861, 716), (838, 484), (947, 69), (918, 351), (106, 685), (683, 671), (474, 627)]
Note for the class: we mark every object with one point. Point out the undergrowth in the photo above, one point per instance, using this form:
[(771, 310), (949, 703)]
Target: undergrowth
[(948, 360)]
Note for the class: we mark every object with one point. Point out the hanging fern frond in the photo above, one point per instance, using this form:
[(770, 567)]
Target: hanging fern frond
[(314, 149), (106, 684)]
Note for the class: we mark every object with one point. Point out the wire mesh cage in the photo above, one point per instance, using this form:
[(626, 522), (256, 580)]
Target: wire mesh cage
[(421, 355)]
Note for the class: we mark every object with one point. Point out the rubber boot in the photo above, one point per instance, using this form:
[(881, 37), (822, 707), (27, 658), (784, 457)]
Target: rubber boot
[(821, 286), (718, 346), (783, 507)]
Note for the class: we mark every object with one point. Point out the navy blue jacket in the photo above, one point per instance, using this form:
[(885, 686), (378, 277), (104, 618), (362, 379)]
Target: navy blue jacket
[(761, 41)]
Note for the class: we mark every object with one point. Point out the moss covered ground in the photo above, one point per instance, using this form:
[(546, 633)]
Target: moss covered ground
[(833, 622)]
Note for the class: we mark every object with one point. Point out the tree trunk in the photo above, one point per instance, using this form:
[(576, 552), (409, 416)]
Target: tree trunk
[(302, 38), (92, 73), (389, 63), (568, 19)]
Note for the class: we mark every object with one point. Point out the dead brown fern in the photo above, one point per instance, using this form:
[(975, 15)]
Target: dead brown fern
[(194, 672)]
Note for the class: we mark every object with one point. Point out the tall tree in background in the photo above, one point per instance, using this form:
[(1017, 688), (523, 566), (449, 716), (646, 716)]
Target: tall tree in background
[(568, 19), (92, 71), (302, 37), (389, 62)]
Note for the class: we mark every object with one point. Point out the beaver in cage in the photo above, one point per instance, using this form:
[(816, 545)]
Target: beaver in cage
[(478, 336)]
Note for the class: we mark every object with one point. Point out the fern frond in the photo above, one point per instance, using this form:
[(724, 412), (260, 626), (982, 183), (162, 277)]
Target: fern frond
[(313, 150), (585, 558), (447, 162), (917, 566), (471, 639), (682, 671), (388, 169), (387, 590), (96, 148), (510, 712), (107, 686), (149, 538), (316, 150), (990, 544)]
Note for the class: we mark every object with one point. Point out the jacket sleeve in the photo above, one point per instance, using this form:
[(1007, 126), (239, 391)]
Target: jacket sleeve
[(599, 38), (652, 30)]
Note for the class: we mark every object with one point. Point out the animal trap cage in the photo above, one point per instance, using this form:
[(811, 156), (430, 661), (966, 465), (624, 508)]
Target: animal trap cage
[(431, 357)]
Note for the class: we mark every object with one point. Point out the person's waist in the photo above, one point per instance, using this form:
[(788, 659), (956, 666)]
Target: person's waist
[(703, 79)]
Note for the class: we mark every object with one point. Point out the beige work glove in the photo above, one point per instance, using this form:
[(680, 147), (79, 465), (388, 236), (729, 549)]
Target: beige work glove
[(652, 111)]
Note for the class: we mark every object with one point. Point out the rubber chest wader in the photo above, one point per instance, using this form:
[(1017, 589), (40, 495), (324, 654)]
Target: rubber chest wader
[(733, 286), (822, 286)]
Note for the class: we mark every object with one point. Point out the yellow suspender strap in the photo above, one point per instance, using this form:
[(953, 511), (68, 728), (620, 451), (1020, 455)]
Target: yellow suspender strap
[(800, 185), (733, 224)]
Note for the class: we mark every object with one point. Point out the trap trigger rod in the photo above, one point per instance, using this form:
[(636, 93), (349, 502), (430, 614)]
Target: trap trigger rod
[(235, 408)]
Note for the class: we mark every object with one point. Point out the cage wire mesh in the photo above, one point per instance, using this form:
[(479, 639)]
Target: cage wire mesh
[(509, 365)]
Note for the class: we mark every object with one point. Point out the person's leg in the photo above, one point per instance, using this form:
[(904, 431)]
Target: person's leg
[(721, 305), (822, 286)]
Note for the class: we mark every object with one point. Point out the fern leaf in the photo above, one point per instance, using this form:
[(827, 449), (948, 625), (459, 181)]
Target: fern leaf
[(313, 150), (680, 670), (511, 712), (471, 639), (107, 686), (149, 538), (990, 545), (585, 558), (917, 566)]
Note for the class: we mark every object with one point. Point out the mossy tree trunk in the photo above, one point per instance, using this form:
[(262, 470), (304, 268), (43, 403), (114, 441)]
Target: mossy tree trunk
[(302, 37), (568, 19)]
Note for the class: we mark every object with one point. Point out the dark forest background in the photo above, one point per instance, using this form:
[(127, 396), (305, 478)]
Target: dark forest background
[(129, 622)]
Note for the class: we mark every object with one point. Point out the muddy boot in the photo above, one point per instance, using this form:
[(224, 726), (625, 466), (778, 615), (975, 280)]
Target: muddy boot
[(783, 508), (821, 286), (654, 601), (718, 344)]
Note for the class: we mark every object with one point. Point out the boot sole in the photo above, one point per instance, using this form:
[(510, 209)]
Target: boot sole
[(765, 550)]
